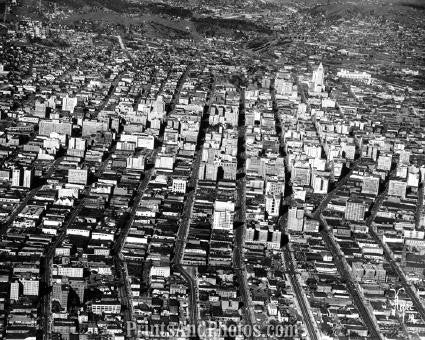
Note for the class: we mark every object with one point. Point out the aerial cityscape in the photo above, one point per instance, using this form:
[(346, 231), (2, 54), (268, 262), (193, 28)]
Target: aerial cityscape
[(212, 170)]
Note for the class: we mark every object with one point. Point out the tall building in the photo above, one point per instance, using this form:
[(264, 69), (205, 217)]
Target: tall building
[(384, 162), (295, 219), (14, 290), (355, 210), (46, 127), (211, 171), (283, 86), (318, 79), (249, 234), (77, 143), (223, 215), (320, 184), (179, 185), (16, 177), (274, 187), (273, 204), (397, 188), (91, 127), (78, 286), (40, 109), (370, 185), (30, 286), (300, 176), (229, 170), (69, 104), (404, 157), (78, 176), (136, 162), (355, 75), (413, 178), (28, 175)]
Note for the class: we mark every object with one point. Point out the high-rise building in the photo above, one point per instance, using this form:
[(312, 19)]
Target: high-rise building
[(355, 210), (28, 175), (136, 162), (274, 187), (273, 204), (276, 240), (14, 290), (179, 185), (283, 86), (78, 176), (318, 78), (16, 177), (413, 177), (397, 188), (301, 176), (46, 127), (78, 286), (295, 219), (40, 109), (211, 171), (249, 235), (404, 157), (223, 215), (91, 127), (31, 286), (384, 162), (263, 235), (77, 143), (370, 185), (69, 104), (64, 297), (229, 170), (320, 184), (201, 173), (401, 171)]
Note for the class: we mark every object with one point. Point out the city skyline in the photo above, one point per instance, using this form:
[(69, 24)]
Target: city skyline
[(188, 169)]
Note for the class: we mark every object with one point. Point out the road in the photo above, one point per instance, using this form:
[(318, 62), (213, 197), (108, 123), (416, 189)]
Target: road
[(123, 47), (327, 198), (395, 266), (9, 219), (184, 227), (298, 290), (46, 300), (344, 270), (339, 259), (125, 293), (6, 223), (289, 260), (240, 217), (419, 206), (183, 231)]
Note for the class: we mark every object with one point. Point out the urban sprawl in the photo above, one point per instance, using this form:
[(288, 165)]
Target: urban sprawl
[(167, 183)]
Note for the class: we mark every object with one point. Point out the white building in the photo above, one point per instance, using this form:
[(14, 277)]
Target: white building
[(14, 290), (78, 176), (28, 175), (179, 185), (273, 204), (359, 76), (31, 287), (223, 215), (16, 177)]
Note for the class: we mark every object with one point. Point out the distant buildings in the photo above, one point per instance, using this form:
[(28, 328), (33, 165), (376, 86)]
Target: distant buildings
[(358, 76)]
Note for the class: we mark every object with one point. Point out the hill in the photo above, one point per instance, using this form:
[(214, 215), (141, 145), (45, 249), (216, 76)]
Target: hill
[(398, 10)]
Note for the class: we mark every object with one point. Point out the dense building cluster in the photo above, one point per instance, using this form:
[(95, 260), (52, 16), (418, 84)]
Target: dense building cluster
[(267, 180)]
